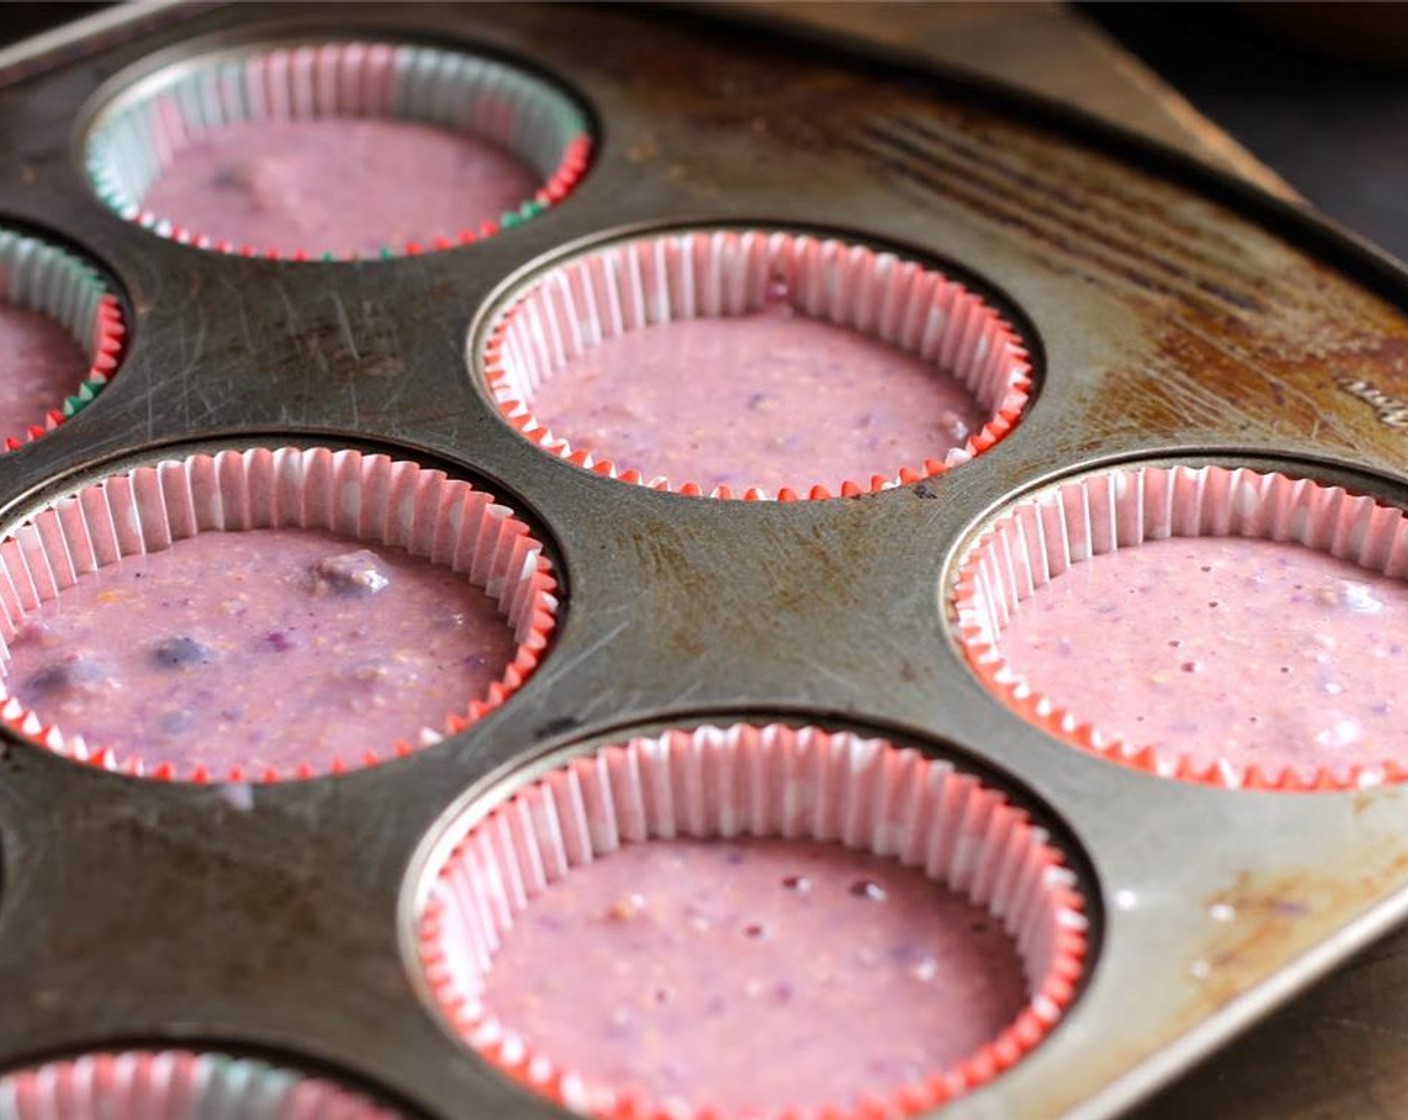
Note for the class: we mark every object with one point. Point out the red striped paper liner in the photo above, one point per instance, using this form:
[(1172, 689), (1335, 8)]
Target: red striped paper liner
[(1040, 537), (721, 273), (761, 781), (358, 496)]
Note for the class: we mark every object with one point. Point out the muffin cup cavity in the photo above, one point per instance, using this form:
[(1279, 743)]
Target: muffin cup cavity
[(750, 781), (44, 278), (176, 1084), (1041, 537), (142, 133), (358, 496), (711, 274)]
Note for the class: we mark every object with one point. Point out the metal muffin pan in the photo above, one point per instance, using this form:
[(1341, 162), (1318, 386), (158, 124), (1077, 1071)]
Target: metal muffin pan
[(1172, 314)]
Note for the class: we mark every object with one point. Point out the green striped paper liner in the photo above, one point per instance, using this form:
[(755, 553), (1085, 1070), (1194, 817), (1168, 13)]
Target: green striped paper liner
[(139, 136), (42, 277), (176, 1085)]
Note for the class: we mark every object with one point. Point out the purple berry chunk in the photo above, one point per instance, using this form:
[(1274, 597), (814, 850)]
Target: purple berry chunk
[(280, 641), (178, 722), (71, 675), (181, 652), (231, 177)]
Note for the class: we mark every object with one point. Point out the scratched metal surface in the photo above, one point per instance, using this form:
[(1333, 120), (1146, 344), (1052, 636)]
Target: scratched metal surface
[(1174, 314)]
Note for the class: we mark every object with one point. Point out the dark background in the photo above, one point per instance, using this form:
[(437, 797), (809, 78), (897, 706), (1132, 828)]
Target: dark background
[(18, 21), (1319, 92)]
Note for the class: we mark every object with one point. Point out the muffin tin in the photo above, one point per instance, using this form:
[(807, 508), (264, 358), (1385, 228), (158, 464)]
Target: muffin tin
[(1172, 316)]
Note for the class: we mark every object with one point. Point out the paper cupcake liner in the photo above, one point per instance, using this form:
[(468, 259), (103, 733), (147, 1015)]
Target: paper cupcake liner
[(175, 1085), (44, 278), (761, 782), (138, 138), (363, 497), (717, 273), (1041, 537)]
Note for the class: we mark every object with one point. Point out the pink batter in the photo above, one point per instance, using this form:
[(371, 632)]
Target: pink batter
[(261, 649), (1248, 651), (769, 399), (40, 366), (754, 973), (338, 185)]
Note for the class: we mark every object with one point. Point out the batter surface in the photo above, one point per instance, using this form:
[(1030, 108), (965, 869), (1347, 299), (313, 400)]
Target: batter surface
[(338, 185), (260, 649), (1253, 652), (754, 973), (40, 366), (768, 399)]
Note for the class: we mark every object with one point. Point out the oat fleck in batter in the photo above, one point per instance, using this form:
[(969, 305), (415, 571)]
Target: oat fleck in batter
[(269, 648), (754, 973)]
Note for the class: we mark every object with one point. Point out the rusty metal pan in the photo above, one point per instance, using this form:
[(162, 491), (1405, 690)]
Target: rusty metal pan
[(1171, 313)]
